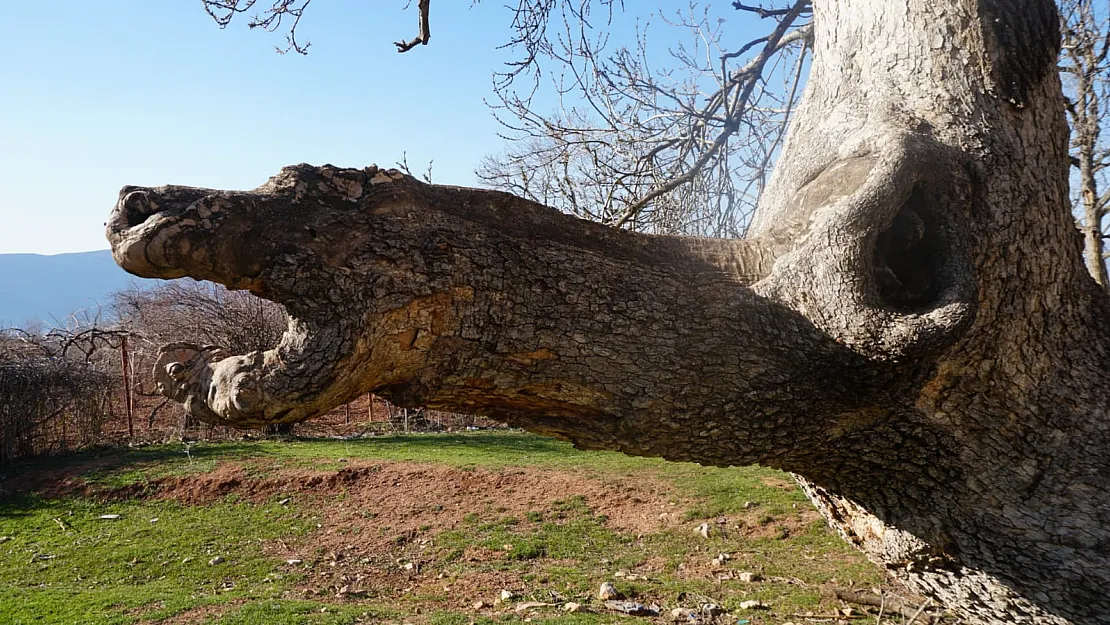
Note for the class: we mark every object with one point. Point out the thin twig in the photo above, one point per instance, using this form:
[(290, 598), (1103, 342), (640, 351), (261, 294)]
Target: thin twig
[(920, 610)]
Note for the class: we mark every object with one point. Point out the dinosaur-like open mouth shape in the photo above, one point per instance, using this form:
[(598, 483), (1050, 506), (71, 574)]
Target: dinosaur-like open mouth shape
[(149, 230), (278, 244), (172, 232), (135, 205)]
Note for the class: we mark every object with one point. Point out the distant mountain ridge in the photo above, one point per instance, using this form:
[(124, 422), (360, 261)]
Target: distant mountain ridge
[(36, 288)]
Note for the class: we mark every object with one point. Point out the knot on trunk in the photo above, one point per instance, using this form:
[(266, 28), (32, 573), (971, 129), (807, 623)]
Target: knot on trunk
[(881, 260)]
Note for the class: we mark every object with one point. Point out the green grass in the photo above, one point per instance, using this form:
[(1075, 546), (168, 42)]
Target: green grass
[(61, 563)]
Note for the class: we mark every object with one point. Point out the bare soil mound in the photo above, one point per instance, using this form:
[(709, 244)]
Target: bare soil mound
[(410, 495)]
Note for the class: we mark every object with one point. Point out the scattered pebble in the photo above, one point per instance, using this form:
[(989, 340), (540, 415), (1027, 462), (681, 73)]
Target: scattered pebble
[(608, 591), (506, 595), (480, 605), (294, 562), (216, 560), (702, 530), (711, 609), (632, 608), (753, 605), (531, 605), (572, 607), (749, 577)]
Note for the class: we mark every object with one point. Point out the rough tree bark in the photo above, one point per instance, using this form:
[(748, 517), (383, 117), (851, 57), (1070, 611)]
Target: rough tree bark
[(909, 327)]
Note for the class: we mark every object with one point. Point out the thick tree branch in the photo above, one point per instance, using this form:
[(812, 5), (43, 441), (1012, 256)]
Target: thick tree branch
[(452, 312), (760, 11), (425, 29)]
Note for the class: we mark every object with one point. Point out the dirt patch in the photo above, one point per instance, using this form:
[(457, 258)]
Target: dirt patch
[(378, 520), (199, 614), (408, 496), (779, 483)]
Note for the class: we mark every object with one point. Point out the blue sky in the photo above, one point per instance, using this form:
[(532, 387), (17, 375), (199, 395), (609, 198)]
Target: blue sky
[(96, 95)]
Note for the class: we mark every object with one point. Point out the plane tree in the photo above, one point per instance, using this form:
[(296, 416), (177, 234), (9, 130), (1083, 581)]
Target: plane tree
[(908, 325), (1085, 66)]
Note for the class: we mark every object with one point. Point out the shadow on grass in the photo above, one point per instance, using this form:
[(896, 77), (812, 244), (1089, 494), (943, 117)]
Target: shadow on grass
[(494, 442), (105, 463), (115, 457), (17, 506)]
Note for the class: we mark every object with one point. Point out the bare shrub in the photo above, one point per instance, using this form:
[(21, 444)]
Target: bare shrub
[(49, 402)]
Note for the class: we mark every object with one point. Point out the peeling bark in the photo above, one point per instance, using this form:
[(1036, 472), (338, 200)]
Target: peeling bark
[(909, 328)]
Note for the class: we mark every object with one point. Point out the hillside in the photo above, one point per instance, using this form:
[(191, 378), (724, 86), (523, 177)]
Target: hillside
[(35, 287), (485, 528)]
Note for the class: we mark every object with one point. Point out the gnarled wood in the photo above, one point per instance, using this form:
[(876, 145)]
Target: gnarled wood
[(910, 327)]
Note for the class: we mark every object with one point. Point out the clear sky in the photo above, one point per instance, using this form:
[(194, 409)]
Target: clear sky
[(98, 94)]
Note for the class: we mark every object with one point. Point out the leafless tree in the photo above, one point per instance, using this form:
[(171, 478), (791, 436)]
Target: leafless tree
[(280, 13), (1086, 72), (287, 14), (204, 312), (680, 145)]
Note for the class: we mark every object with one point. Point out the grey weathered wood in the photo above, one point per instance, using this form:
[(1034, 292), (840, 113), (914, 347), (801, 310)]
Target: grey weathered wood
[(910, 327)]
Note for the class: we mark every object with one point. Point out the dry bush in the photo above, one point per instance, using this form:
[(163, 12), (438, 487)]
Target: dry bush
[(66, 389), (49, 401)]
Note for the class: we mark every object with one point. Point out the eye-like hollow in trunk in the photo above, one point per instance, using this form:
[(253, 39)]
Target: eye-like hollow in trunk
[(911, 262)]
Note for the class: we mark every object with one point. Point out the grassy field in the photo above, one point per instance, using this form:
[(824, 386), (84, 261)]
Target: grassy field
[(408, 529)]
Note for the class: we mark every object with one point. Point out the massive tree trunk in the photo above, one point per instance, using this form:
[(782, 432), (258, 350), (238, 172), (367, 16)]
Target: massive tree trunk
[(909, 328)]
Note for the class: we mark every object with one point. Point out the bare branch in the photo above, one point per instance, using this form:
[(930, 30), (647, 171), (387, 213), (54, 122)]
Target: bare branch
[(734, 119), (223, 11), (761, 11), (425, 29)]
